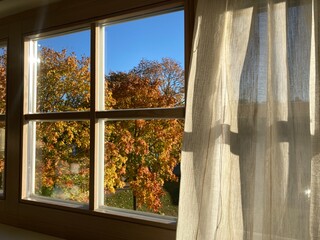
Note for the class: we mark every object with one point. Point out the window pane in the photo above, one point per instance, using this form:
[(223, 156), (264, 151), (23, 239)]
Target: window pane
[(144, 62), (3, 79), (62, 160), (2, 154), (63, 73), (142, 165)]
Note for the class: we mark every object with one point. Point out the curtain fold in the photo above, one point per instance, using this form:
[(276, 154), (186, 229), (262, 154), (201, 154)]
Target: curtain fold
[(315, 127), (251, 152)]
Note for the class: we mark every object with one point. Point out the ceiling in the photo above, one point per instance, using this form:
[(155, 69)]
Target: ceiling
[(10, 7)]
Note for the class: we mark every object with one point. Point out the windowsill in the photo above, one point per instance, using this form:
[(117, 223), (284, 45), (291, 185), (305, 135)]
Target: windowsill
[(104, 211), (57, 202), (151, 217)]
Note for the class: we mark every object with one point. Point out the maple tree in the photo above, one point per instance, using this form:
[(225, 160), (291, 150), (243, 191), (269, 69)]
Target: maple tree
[(62, 162), (169, 76), (146, 152), (138, 153)]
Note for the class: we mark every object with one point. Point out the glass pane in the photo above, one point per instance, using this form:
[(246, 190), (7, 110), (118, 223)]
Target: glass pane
[(142, 165), (3, 79), (63, 73), (144, 62), (2, 154), (62, 160)]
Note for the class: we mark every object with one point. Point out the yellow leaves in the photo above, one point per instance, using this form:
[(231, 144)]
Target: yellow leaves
[(138, 153), (60, 146), (63, 82), (151, 149), (112, 180), (114, 168)]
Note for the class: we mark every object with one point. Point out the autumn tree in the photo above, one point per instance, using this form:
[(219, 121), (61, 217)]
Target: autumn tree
[(138, 153), (63, 82), (168, 74), (146, 151), (62, 162)]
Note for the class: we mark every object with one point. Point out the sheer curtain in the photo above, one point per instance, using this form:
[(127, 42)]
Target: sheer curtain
[(251, 155)]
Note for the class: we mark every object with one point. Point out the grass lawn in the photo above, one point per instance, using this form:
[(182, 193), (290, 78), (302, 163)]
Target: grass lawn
[(123, 198)]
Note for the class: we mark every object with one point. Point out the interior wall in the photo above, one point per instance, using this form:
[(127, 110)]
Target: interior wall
[(13, 233)]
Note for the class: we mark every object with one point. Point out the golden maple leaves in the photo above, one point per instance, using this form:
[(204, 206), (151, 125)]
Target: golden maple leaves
[(138, 153)]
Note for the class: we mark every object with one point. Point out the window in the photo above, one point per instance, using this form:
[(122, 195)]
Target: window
[(119, 127), (152, 50), (3, 93), (58, 139)]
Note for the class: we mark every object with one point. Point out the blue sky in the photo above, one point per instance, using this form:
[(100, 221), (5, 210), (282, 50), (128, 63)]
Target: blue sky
[(2, 49), (128, 42)]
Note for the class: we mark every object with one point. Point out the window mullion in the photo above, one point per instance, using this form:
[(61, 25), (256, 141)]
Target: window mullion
[(56, 164), (31, 158), (56, 116), (99, 126), (30, 140), (93, 75), (99, 176), (33, 59), (100, 62), (151, 113), (31, 129)]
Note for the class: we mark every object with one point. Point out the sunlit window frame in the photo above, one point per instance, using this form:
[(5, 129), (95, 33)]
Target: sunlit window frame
[(97, 115)]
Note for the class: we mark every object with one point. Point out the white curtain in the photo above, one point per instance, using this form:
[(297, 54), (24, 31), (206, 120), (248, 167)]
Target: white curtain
[(251, 153)]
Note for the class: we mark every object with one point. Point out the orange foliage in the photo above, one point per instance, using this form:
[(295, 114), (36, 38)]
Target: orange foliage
[(149, 149), (138, 153)]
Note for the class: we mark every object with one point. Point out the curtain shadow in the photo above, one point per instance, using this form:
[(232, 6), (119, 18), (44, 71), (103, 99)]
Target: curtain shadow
[(265, 208)]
